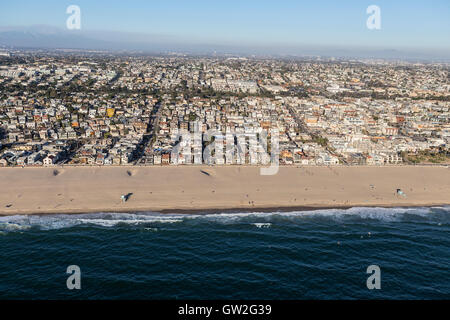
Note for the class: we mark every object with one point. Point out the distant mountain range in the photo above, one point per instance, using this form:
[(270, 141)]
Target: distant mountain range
[(52, 38), (37, 39), (48, 37)]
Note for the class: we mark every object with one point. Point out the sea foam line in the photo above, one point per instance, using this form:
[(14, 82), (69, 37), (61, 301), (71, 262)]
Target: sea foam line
[(259, 219)]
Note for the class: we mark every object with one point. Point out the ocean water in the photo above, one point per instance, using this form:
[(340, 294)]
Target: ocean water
[(321, 254)]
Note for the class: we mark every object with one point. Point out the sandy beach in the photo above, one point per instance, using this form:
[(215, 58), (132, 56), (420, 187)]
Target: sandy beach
[(175, 188)]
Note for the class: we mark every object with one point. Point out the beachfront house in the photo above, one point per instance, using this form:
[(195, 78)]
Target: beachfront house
[(327, 159), (3, 162), (157, 159), (49, 160), (165, 159)]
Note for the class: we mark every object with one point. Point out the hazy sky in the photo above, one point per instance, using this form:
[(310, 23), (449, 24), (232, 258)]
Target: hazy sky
[(416, 24)]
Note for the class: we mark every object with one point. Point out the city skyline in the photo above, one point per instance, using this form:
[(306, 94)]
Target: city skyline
[(325, 28), (194, 152)]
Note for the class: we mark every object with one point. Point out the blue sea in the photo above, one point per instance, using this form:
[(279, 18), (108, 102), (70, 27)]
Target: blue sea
[(321, 254)]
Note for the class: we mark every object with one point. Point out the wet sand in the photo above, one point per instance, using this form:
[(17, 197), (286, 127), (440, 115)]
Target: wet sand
[(203, 188)]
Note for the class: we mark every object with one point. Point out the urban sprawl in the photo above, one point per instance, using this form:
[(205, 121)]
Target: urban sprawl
[(103, 109)]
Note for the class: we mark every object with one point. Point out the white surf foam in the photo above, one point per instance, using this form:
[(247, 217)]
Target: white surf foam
[(262, 225), (259, 219), (52, 222)]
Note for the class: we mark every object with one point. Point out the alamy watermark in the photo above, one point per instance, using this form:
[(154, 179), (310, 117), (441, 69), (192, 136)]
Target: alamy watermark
[(73, 22), (374, 281), (215, 147), (374, 20), (74, 280)]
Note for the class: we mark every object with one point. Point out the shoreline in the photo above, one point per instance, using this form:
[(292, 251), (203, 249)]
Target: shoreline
[(169, 189), (227, 210)]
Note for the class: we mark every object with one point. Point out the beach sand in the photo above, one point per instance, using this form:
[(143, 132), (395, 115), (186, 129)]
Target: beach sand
[(203, 188)]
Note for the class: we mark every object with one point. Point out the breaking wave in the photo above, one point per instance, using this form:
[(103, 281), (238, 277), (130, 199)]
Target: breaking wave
[(149, 220), (262, 225)]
